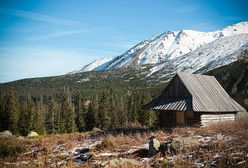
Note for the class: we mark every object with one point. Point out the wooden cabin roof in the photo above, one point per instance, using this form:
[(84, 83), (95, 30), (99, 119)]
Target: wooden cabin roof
[(205, 95)]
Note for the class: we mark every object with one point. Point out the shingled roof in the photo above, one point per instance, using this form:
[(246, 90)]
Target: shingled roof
[(201, 93)]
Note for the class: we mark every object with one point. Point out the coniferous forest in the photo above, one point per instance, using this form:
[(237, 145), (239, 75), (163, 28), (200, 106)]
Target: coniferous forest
[(65, 112)]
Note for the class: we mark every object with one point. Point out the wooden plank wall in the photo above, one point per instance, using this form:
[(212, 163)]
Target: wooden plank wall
[(207, 119), (167, 119), (176, 89), (193, 120)]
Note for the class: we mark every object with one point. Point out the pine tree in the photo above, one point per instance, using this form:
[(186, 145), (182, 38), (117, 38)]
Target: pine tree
[(58, 127), (90, 119), (103, 112), (112, 109), (134, 108), (29, 118), (50, 116), (12, 111), (94, 110), (123, 117), (3, 117), (38, 119), (80, 114), (129, 108), (68, 115), (146, 117), (23, 122)]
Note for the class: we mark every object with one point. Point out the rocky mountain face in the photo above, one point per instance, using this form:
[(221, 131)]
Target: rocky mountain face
[(234, 78), (188, 50)]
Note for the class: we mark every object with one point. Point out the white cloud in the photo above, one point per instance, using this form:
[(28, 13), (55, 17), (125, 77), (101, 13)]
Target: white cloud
[(58, 34), (38, 17)]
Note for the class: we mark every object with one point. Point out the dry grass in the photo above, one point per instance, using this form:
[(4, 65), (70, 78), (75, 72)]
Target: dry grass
[(231, 150), (225, 152), (122, 142)]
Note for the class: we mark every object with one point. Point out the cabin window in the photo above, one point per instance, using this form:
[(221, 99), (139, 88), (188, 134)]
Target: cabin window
[(189, 114)]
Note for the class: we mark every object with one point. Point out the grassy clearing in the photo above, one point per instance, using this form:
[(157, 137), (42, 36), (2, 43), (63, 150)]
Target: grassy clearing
[(228, 147)]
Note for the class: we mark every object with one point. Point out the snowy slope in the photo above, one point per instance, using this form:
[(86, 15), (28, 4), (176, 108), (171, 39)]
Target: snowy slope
[(221, 52), (170, 45), (95, 65)]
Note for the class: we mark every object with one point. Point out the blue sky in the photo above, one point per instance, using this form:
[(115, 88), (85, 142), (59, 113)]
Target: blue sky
[(52, 37)]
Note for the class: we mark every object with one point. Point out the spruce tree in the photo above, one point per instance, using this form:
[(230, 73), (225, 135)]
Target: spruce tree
[(50, 117), (104, 119), (57, 119), (123, 117), (3, 116), (80, 114), (90, 116), (112, 109), (23, 122), (146, 117), (29, 117), (12, 111), (134, 108), (68, 115), (39, 116)]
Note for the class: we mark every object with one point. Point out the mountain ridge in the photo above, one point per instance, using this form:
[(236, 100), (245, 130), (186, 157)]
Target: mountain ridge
[(167, 46)]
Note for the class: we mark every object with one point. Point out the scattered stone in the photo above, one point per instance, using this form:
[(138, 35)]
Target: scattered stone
[(58, 148), (83, 157), (120, 162), (6, 134), (178, 143), (205, 140), (20, 137), (60, 163), (216, 156), (97, 131), (84, 150), (242, 162), (154, 145), (109, 154), (219, 137), (145, 160), (166, 147), (142, 153), (32, 134), (199, 163)]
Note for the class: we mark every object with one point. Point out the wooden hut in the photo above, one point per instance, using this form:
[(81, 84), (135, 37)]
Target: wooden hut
[(193, 99)]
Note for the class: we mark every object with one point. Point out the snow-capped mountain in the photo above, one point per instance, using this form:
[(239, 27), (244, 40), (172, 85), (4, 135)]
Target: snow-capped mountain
[(210, 56), (181, 48), (97, 64)]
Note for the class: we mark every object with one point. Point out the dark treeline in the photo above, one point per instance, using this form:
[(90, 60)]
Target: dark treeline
[(67, 113)]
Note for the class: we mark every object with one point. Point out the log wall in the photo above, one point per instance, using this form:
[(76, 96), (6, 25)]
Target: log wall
[(208, 119)]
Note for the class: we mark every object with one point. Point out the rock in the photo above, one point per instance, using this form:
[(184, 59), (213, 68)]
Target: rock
[(166, 147), (97, 130), (120, 162), (178, 143), (6, 134), (219, 137), (32, 134), (83, 157), (20, 137), (142, 153), (84, 150), (154, 145)]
